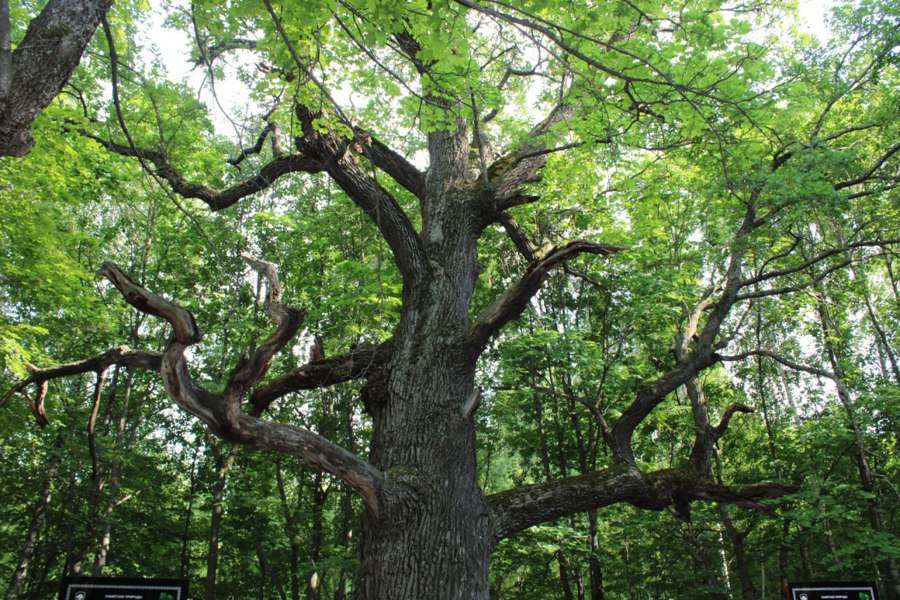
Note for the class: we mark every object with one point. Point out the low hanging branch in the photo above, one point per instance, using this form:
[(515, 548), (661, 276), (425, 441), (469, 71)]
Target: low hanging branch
[(515, 510), (220, 411), (122, 356)]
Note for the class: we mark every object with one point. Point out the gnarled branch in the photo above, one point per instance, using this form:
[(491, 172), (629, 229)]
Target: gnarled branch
[(690, 363), (122, 356), (330, 371), (251, 369), (515, 510), (215, 199), (513, 302), (270, 129), (220, 411), (732, 410)]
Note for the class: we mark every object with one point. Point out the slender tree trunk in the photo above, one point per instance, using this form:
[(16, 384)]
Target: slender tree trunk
[(290, 522), (585, 464), (705, 564), (113, 492), (72, 517), (184, 567), (266, 573), (98, 482), (748, 589), (37, 586), (320, 494), (38, 516), (106, 533), (597, 592), (348, 518), (887, 568), (783, 554), (223, 466), (561, 560)]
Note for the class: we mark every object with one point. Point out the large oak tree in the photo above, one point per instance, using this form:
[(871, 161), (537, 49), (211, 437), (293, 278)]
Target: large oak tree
[(610, 86)]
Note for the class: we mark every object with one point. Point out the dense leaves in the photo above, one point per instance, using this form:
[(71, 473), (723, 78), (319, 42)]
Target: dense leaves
[(739, 179)]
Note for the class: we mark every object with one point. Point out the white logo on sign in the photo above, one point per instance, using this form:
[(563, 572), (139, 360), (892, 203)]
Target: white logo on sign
[(80, 595)]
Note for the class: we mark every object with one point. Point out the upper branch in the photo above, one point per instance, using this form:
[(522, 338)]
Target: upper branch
[(768, 275), (216, 199), (270, 128), (513, 302), (879, 162), (509, 173), (336, 156), (782, 360), (385, 158)]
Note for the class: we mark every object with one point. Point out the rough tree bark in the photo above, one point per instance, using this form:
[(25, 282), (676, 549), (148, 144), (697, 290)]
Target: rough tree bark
[(36, 71)]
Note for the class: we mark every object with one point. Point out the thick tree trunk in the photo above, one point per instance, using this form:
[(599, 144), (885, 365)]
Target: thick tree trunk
[(432, 537), (428, 530), (33, 74)]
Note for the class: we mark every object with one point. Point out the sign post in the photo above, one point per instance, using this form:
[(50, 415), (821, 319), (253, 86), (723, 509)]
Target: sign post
[(832, 591), (122, 588)]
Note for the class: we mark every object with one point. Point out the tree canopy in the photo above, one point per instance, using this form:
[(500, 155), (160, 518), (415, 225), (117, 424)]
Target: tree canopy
[(546, 299)]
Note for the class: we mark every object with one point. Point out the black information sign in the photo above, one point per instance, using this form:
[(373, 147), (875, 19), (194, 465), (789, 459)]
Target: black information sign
[(122, 588), (832, 591)]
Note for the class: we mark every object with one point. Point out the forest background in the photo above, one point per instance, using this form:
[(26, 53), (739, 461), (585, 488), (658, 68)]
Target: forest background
[(736, 176)]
